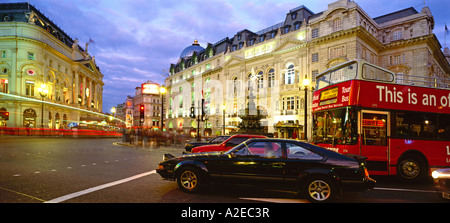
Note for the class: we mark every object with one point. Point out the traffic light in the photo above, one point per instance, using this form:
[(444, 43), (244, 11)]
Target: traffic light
[(141, 113), (192, 115)]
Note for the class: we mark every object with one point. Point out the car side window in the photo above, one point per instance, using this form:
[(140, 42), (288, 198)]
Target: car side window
[(235, 141), (261, 149), (295, 151)]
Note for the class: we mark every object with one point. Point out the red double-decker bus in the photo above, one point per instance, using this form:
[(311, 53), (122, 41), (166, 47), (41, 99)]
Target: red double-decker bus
[(404, 130)]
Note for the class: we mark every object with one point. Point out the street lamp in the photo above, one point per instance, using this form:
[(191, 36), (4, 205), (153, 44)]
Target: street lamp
[(305, 86), (223, 109), (162, 90), (113, 111), (43, 91)]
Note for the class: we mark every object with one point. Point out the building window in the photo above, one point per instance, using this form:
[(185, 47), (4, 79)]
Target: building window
[(294, 15), (314, 74), (290, 103), (261, 79), (31, 56), (315, 57), (272, 35), (290, 75), (397, 35), (235, 85), (29, 88), (3, 54), (4, 85), (337, 24), (271, 78), (261, 38), (315, 33), (337, 52), (286, 29)]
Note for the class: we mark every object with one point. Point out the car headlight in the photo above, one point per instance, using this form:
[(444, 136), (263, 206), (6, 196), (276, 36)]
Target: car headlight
[(435, 174)]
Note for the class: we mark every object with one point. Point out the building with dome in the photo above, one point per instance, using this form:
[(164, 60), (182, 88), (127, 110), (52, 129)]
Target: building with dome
[(274, 61), (36, 53), (190, 50)]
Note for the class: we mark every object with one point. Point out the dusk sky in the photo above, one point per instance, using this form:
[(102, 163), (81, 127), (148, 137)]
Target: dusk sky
[(135, 40)]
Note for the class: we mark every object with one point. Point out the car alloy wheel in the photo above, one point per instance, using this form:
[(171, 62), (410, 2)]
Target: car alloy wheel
[(189, 179), (319, 190)]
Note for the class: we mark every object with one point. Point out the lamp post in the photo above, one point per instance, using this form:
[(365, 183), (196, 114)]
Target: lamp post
[(223, 109), (43, 91), (113, 111), (305, 128), (162, 91)]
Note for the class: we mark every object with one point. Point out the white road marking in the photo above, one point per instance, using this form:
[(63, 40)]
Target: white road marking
[(92, 189), (406, 190)]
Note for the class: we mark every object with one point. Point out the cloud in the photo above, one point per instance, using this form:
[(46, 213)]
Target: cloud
[(136, 39)]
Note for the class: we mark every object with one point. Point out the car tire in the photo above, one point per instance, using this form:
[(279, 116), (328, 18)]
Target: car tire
[(412, 168), (189, 179), (319, 189)]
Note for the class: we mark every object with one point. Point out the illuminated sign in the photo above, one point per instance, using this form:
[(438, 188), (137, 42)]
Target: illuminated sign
[(328, 94), (149, 88), (375, 123)]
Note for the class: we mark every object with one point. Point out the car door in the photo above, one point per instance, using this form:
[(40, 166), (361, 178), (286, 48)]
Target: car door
[(298, 160), (258, 162)]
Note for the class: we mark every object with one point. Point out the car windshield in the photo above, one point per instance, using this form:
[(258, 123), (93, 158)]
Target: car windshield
[(336, 126), (219, 139)]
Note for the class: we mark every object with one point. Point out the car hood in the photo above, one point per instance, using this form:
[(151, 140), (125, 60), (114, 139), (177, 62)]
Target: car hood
[(204, 154)]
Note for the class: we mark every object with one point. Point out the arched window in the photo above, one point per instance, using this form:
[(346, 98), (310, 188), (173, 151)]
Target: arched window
[(261, 79), (29, 118), (397, 34), (290, 75), (249, 81), (337, 24), (235, 85), (271, 77)]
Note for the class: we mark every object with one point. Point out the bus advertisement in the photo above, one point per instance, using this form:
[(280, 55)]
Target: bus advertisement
[(403, 130)]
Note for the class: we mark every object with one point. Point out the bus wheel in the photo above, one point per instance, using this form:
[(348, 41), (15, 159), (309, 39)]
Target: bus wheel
[(412, 168)]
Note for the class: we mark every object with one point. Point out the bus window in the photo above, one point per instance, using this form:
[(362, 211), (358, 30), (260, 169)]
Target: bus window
[(336, 76), (374, 129), (370, 72), (336, 126), (415, 125), (444, 127)]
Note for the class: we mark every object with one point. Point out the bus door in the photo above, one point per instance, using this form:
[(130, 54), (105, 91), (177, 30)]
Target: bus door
[(374, 143)]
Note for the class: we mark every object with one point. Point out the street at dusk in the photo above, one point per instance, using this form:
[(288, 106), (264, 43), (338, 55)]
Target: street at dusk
[(38, 170), (222, 110)]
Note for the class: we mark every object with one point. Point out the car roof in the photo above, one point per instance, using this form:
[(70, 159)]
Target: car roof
[(249, 135)]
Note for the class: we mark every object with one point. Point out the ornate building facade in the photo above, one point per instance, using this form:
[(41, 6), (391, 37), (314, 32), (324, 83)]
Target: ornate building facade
[(46, 77), (278, 58)]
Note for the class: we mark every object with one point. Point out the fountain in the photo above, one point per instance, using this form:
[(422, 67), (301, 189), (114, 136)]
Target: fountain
[(251, 116)]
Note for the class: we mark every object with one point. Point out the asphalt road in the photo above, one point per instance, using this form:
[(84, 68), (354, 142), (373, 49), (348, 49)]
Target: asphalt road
[(57, 170)]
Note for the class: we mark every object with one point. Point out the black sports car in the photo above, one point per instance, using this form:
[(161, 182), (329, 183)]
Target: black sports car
[(318, 173)]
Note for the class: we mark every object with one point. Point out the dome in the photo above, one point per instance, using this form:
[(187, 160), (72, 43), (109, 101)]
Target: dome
[(188, 51)]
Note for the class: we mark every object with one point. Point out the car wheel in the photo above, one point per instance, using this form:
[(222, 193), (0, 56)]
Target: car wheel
[(411, 168), (319, 189), (189, 179)]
